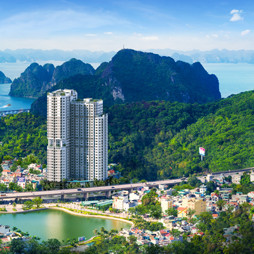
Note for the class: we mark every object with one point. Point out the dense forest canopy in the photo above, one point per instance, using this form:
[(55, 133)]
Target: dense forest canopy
[(157, 139)]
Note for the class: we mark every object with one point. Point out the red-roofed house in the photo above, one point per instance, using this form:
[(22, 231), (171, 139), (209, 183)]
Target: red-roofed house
[(182, 212)]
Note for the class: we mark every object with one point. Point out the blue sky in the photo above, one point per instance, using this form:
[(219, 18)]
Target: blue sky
[(111, 24)]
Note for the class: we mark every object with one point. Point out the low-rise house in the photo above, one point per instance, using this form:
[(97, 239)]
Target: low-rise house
[(4, 229), (202, 189), (21, 182), (134, 196), (252, 177), (209, 178), (199, 205), (236, 178), (182, 212), (166, 203), (119, 202), (6, 172)]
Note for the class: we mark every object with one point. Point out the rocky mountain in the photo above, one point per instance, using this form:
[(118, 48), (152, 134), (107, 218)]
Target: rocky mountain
[(4, 79), (71, 68), (33, 82), (137, 76), (37, 79)]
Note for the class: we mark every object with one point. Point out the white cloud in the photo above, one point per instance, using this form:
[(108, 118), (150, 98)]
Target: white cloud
[(108, 33), (236, 15), (212, 36), (234, 11), (245, 32), (150, 38), (90, 35), (53, 23)]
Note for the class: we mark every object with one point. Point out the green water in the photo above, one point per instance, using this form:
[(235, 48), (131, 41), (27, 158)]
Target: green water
[(48, 224)]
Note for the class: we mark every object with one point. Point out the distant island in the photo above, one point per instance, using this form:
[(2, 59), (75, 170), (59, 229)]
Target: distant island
[(211, 56), (37, 79), (4, 79), (130, 76)]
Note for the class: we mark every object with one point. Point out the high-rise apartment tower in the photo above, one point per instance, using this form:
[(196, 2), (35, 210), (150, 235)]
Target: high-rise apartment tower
[(77, 137)]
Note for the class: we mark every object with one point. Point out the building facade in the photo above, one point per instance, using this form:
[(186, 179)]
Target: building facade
[(77, 137)]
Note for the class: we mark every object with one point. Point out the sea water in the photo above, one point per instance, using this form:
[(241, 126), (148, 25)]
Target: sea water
[(233, 78), (12, 103)]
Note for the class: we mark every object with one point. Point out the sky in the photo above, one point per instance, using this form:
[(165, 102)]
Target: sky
[(110, 25)]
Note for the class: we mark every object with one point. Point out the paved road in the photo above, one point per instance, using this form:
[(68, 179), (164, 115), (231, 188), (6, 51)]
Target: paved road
[(85, 190)]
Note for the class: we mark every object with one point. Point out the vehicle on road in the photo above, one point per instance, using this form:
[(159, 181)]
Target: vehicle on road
[(79, 190)]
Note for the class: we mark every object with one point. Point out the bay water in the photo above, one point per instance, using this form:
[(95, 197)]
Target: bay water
[(233, 79)]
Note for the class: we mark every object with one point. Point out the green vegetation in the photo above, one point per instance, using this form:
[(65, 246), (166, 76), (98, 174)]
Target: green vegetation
[(29, 204), (157, 139), (213, 241), (147, 225), (150, 205), (36, 79), (138, 76), (23, 134), (52, 246), (168, 147), (4, 79)]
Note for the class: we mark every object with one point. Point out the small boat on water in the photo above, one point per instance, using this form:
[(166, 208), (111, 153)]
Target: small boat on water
[(6, 106)]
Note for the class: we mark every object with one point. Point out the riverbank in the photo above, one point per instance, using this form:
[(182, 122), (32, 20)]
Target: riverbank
[(86, 214), (73, 211), (22, 218)]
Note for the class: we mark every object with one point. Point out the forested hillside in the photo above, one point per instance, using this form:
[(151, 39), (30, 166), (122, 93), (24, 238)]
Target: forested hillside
[(23, 134), (227, 135), (157, 139)]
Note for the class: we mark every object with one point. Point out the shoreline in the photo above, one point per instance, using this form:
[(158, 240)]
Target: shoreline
[(111, 217), (75, 214), (92, 215)]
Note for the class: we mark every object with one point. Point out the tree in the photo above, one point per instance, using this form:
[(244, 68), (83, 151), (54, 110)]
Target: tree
[(194, 181), (28, 205), (3, 187), (156, 211), (210, 187), (14, 167), (37, 201), (132, 239), (190, 212), (18, 246), (221, 203), (29, 187), (171, 212), (175, 232), (52, 246), (245, 179), (15, 186)]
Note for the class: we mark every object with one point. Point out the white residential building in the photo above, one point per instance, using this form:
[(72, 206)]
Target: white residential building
[(77, 137), (120, 202), (166, 204)]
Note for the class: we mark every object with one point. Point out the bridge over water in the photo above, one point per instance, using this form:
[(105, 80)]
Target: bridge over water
[(11, 112)]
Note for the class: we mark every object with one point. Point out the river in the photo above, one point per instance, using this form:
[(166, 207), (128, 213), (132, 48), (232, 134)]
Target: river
[(57, 224)]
